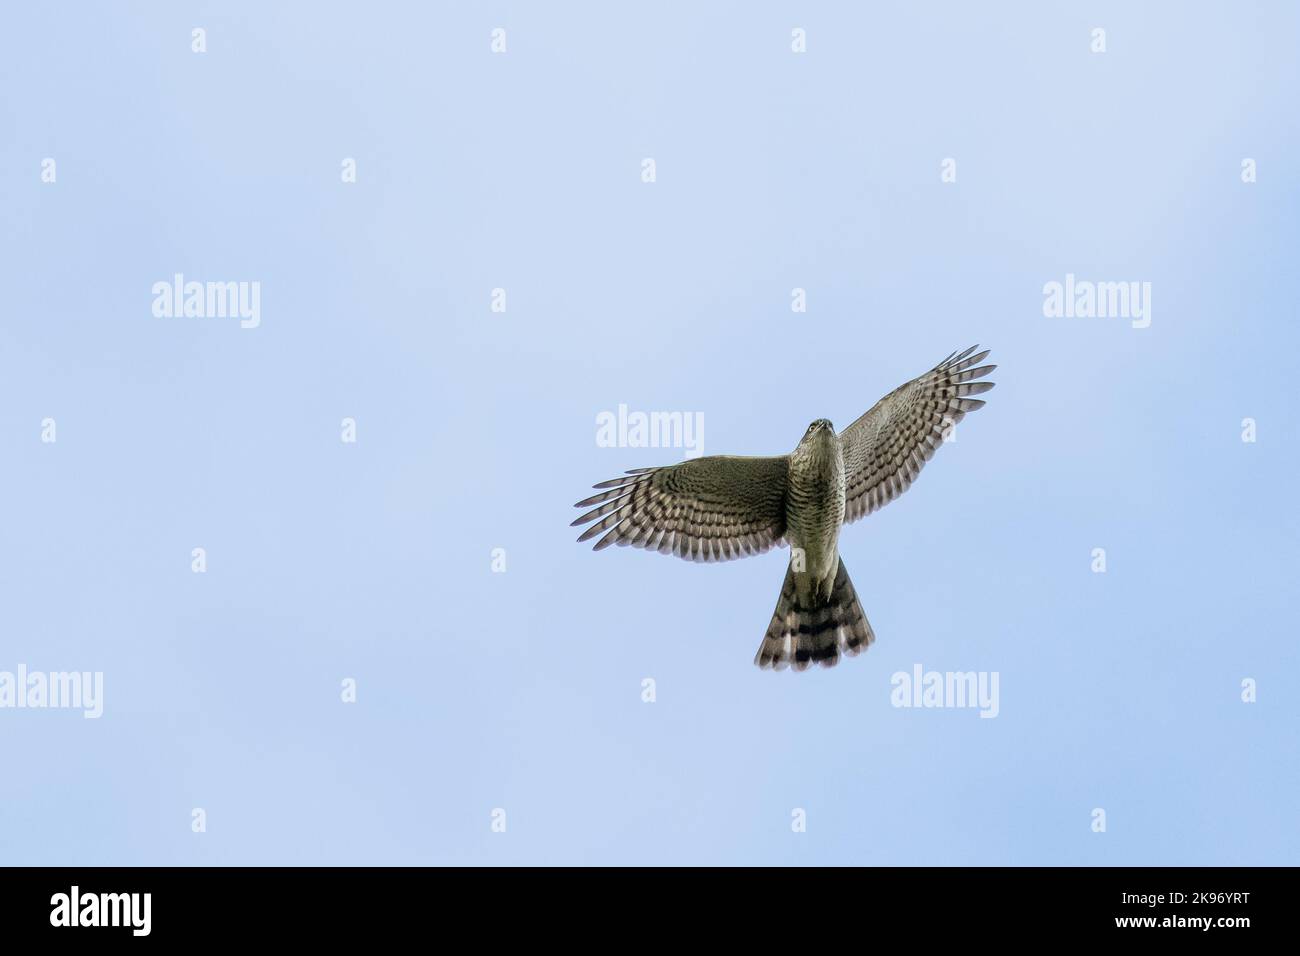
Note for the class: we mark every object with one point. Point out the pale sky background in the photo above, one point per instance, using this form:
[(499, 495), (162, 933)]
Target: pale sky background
[(476, 430)]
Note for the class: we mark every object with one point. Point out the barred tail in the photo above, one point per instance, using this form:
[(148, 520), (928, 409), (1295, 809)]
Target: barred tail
[(799, 636)]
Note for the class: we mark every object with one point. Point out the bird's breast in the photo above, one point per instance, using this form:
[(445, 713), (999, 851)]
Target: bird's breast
[(815, 507)]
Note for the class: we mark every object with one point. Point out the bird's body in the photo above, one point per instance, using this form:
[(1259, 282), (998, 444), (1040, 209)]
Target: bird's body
[(725, 506), (814, 510)]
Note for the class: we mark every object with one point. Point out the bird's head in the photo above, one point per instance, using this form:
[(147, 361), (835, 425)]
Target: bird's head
[(821, 427)]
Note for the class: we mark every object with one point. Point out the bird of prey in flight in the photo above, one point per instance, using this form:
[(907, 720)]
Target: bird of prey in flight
[(728, 506)]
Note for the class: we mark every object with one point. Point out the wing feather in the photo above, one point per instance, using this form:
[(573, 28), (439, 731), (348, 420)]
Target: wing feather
[(885, 450), (705, 509)]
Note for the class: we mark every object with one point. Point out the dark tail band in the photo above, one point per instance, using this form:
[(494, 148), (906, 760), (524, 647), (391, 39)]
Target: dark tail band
[(801, 636)]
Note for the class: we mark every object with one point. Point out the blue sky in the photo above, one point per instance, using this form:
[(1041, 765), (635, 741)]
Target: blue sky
[(476, 430)]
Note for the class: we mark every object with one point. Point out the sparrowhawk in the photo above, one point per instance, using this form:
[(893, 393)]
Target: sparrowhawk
[(728, 506)]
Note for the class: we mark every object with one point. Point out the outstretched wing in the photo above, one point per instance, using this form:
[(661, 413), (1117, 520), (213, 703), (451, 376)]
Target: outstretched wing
[(705, 509), (886, 448)]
